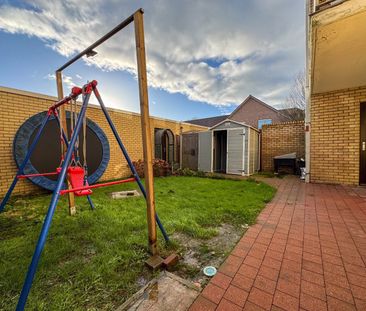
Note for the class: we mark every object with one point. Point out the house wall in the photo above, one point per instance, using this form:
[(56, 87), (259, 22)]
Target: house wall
[(336, 62), (335, 136), (281, 138), (17, 106), (252, 111)]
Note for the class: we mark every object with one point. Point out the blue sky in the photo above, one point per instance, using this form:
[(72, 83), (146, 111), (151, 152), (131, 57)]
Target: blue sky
[(198, 66)]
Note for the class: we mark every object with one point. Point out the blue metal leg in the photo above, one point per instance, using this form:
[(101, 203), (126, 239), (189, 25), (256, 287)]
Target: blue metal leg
[(24, 163), (51, 209), (90, 202), (130, 164)]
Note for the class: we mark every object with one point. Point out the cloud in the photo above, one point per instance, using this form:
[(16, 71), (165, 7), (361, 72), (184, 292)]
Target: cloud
[(209, 51), (67, 80)]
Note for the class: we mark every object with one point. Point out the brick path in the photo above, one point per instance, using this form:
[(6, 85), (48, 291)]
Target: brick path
[(306, 252)]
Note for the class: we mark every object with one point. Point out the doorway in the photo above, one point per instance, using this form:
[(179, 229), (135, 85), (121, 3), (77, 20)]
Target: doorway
[(220, 151), (363, 144), (164, 145)]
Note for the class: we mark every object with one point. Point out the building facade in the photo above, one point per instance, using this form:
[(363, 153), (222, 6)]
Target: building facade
[(251, 111), (336, 92)]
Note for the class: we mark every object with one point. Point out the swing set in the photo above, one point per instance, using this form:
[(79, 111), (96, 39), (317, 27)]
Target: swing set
[(72, 175)]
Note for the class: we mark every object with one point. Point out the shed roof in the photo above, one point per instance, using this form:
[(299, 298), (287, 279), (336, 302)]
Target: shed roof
[(209, 122)]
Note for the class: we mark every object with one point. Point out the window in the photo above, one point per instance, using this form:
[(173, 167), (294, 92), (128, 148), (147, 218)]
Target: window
[(263, 121)]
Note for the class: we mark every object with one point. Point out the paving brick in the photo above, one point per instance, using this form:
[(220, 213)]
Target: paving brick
[(274, 254), (357, 280), (242, 282), (336, 279), (265, 284), (358, 292), (312, 266), (252, 261), (272, 263), (355, 269), (290, 288), (269, 273), (248, 271), (236, 295), (311, 303), (249, 306), (240, 252), (338, 305), (292, 256), (202, 304), (226, 305), (312, 277), (311, 257), (221, 280), (260, 298), (336, 269), (332, 259), (339, 293), (360, 304), (213, 293), (313, 289), (286, 301), (290, 276), (291, 265)]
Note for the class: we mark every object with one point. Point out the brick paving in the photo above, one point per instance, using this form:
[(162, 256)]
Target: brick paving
[(306, 252)]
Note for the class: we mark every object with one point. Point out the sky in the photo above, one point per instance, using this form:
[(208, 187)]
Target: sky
[(203, 57)]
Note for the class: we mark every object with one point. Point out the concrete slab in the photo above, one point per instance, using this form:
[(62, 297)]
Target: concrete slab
[(165, 293), (124, 194)]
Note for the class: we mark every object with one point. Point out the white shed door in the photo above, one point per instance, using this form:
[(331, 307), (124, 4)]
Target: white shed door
[(235, 151), (205, 151)]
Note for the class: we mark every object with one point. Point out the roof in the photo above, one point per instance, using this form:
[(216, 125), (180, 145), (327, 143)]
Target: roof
[(258, 101), (209, 122), (233, 121)]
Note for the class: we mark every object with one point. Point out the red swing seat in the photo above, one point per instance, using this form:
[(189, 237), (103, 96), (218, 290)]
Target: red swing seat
[(76, 176)]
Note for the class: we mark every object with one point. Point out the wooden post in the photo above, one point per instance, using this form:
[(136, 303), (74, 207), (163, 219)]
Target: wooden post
[(60, 95), (146, 131)]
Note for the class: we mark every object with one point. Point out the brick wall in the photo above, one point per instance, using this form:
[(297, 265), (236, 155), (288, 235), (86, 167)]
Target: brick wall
[(281, 138), (335, 135), (17, 106)]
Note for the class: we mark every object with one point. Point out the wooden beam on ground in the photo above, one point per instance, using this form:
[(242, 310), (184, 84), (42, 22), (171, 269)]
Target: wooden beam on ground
[(60, 95), (146, 131)]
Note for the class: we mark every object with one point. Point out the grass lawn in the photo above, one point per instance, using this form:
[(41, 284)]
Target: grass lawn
[(94, 260)]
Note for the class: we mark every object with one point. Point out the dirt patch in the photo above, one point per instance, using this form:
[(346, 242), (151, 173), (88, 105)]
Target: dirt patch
[(196, 254)]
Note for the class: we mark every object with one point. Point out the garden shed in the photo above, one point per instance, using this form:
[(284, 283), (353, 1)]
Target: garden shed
[(229, 147)]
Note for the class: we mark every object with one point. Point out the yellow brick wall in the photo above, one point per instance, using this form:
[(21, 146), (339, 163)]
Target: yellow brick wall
[(281, 138), (335, 136), (17, 106)]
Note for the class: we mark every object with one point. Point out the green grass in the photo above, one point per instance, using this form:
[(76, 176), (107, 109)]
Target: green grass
[(93, 260)]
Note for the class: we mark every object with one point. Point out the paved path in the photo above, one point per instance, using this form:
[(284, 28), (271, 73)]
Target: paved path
[(306, 252)]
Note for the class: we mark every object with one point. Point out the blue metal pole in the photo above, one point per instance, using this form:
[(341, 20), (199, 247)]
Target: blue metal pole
[(51, 209), (67, 146), (127, 157), (25, 161)]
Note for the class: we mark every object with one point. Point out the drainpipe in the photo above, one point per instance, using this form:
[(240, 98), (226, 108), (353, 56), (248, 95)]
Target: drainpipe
[(308, 93)]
